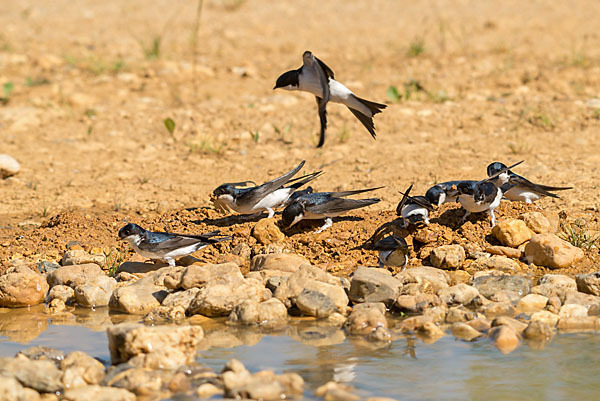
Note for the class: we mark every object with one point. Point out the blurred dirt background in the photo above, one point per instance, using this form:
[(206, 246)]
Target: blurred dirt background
[(87, 87)]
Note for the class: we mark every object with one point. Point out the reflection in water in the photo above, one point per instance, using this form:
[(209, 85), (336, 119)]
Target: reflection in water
[(406, 368)]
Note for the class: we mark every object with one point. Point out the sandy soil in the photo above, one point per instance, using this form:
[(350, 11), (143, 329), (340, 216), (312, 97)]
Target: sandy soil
[(505, 81)]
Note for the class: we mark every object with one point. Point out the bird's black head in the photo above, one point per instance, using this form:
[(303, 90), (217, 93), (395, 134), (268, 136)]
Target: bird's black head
[(434, 194), (130, 229), (466, 188), (292, 214), (495, 168), (286, 79), (225, 189), (483, 190)]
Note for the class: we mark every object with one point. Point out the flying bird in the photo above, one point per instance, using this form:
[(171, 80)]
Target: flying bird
[(166, 246), (317, 78)]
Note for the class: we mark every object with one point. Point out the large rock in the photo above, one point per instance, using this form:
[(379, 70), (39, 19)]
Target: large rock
[(80, 369), (365, 320), (489, 285), (505, 338), (464, 331), (181, 298), (460, 294), (531, 303), (435, 278), (95, 293), (417, 304), (538, 330), (8, 166), (315, 303), (266, 231), (220, 295), (572, 310), (287, 262), (158, 347), (448, 256), (12, 390), (265, 385), (511, 232), (589, 283), (495, 262), (579, 298), (373, 285), (21, 286), (269, 312), (138, 298), (74, 275), (504, 251), (196, 276), (140, 381), (546, 317), (555, 285), (40, 375), (95, 392), (62, 292), (537, 222), (81, 257), (550, 251), (311, 278)]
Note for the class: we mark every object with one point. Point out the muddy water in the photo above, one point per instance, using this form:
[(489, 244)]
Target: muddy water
[(408, 368)]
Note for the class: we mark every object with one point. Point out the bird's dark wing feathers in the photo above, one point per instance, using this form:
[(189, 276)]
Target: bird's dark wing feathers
[(343, 194), (337, 205), (328, 71), (542, 189), (254, 195)]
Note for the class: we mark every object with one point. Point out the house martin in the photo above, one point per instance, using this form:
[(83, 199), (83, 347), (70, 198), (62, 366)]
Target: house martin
[(268, 196), (484, 195), (413, 209), (523, 190), (166, 246), (324, 205), (317, 78), (393, 251), (444, 192)]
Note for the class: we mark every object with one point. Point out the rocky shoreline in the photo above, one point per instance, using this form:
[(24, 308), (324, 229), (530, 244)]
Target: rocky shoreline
[(469, 293)]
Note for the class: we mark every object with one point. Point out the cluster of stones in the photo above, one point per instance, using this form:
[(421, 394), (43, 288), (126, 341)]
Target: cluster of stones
[(491, 302)]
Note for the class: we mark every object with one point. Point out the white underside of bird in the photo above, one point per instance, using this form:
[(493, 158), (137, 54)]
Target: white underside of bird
[(273, 200)]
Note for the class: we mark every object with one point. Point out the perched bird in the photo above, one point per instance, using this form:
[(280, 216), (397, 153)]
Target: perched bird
[(413, 209), (267, 196), (324, 205), (166, 246), (317, 78), (393, 251), (444, 192), (523, 189)]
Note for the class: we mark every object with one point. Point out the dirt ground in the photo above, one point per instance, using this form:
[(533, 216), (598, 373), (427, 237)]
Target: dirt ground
[(92, 84)]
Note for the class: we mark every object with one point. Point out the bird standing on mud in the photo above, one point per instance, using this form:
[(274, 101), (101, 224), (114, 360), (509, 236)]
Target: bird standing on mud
[(166, 246), (270, 195), (317, 78), (523, 189), (324, 205)]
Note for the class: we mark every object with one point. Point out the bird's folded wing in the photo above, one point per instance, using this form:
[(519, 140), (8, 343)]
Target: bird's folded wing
[(254, 195), (337, 205)]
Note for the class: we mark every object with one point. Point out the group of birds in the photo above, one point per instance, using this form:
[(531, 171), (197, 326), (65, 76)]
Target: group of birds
[(247, 198)]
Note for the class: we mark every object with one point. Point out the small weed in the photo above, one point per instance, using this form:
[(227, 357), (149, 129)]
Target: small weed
[(283, 133), (32, 185), (416, 47), (208, 146), (96, 65), (344, 135), (117, 204), (254, 136), (90, 113), (29, 82), (143, 180), (170, 126), (152, 50), (7, 89), (519, 148), (393, 94), (90, 129), (115, 256), (413, 86), (577, 233), (542, 120), (45, 210)]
